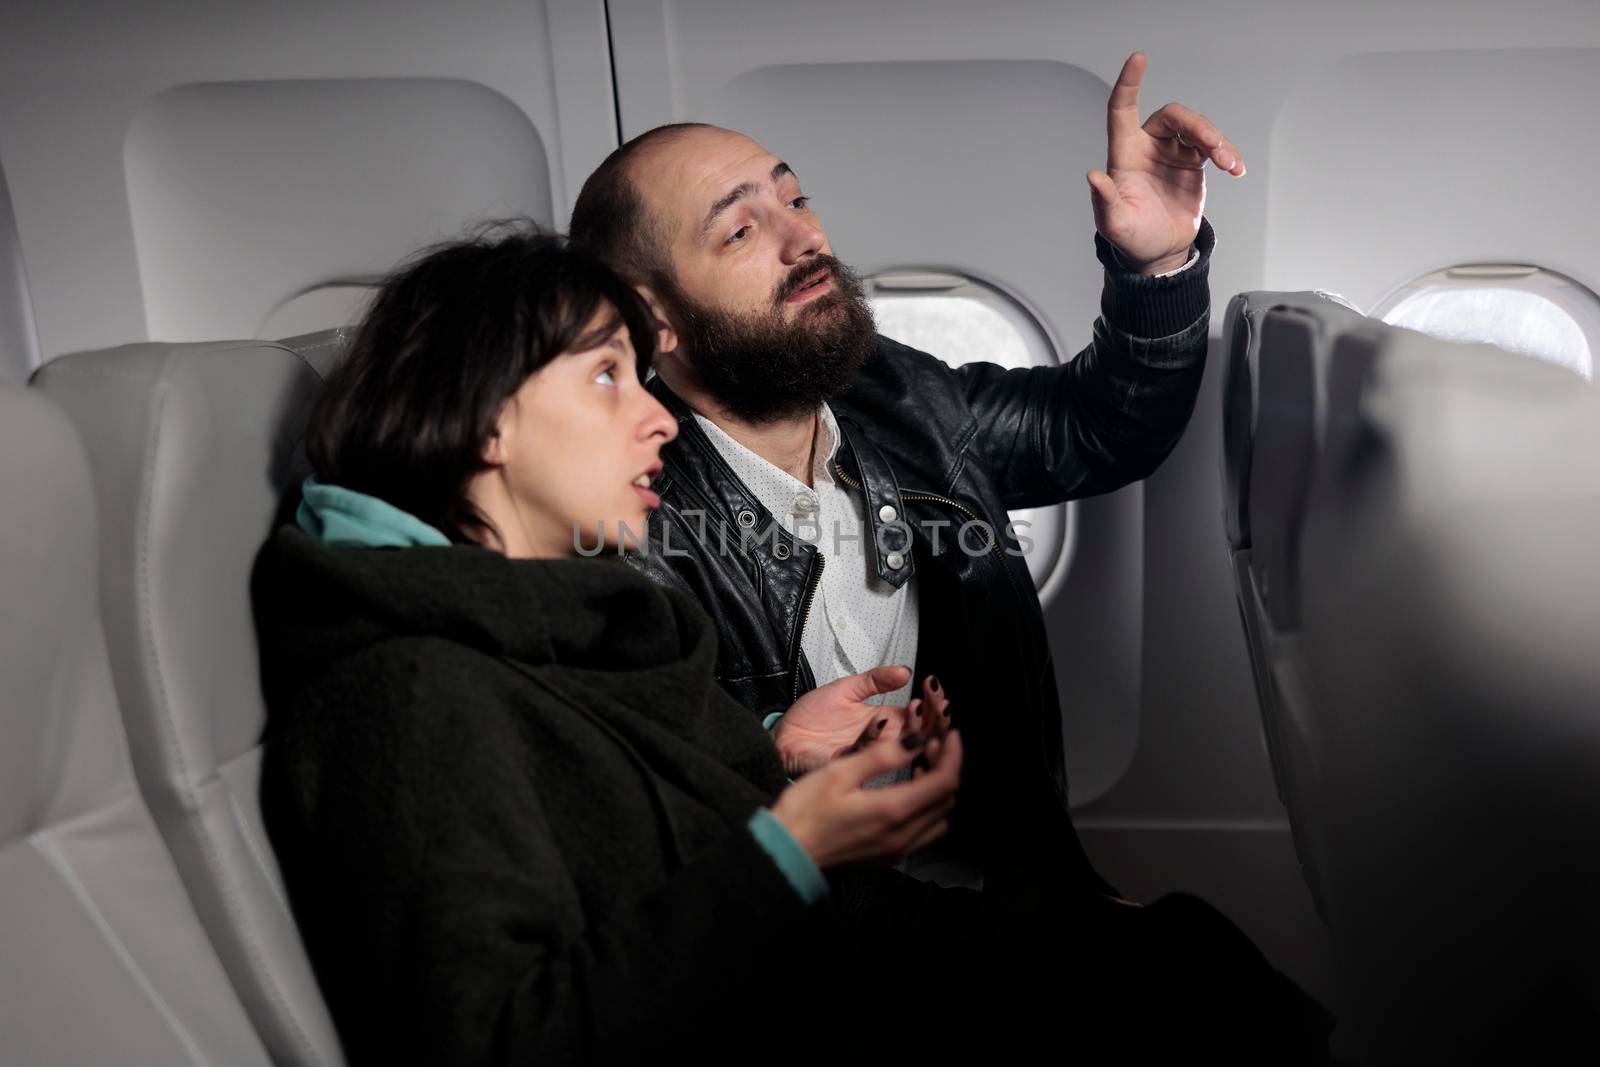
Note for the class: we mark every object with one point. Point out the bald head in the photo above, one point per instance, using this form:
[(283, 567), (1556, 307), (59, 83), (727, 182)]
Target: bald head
[(614, 214), (759, 319)]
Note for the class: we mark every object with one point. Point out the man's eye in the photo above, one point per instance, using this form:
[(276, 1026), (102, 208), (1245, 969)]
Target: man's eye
[(738, 235), (605, 376), (800, 201)]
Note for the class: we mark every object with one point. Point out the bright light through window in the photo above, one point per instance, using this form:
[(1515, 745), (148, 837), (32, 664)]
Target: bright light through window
[(960, 321), (1514, 319), (957, 329)]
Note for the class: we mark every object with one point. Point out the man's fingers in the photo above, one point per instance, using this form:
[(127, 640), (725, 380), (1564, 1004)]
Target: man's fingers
[(1103, 191), (1110, 215), (1181, 126), (1122, 110), (871, 683), (888, 679)]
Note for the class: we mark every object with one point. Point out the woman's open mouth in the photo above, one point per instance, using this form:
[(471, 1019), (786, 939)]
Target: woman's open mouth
[(641, 485)]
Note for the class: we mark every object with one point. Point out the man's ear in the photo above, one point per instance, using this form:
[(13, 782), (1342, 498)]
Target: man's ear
[(666, 335)]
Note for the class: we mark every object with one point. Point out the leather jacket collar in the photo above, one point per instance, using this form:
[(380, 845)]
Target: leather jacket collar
[(858, 463)]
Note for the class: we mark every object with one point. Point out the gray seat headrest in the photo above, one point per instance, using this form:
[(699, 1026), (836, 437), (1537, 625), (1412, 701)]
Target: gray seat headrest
[(105, 959), (191, 446)]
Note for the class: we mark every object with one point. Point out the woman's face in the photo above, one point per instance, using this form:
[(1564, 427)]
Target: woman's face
[(578, 445)]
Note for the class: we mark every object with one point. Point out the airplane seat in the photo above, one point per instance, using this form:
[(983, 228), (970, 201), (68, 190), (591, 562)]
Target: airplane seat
[(105, 959), (1449, 582), (321, 349), (1240, 340), (1271, 420), (190, 447), (1242, 327)]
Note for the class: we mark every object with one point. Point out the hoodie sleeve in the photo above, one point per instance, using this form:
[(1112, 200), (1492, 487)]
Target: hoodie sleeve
[(440, 915)]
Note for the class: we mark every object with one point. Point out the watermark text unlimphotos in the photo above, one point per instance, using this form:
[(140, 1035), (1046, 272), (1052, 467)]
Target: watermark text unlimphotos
[(975, 537)]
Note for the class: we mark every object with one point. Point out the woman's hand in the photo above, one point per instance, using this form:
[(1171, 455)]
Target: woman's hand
[(837, 821), (832, 718), (931, 715)]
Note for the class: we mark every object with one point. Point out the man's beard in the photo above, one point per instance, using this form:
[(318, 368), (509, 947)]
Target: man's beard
[(760, 368)]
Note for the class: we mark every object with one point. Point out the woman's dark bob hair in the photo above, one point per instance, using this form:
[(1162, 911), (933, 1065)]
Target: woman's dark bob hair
[(449, 338)]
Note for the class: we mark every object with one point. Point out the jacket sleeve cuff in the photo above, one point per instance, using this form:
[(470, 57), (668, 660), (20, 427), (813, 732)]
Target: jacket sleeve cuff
[(1156, 306), (795, 863)]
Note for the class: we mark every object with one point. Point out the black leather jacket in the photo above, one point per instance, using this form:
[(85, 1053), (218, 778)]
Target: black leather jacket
[(939, 451)]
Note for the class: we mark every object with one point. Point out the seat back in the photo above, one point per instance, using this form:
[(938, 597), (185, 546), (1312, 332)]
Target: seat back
[(105, 961), (1242, 340), (1277, 345), (322, 348), (1450, 584), (190, 447)]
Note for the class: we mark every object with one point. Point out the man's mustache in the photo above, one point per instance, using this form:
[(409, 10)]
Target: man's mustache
[(802, 272)]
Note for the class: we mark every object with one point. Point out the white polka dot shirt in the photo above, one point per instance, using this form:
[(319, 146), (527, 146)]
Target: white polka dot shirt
[(857, 621)]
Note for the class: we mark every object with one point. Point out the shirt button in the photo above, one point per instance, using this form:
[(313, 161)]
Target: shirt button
[(887, 514), (804, 503), (895, 561)]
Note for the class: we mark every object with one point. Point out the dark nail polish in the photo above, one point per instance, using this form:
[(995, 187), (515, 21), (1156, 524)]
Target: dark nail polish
[(912, 741), (933, 683), (882, 723), (921, 764)]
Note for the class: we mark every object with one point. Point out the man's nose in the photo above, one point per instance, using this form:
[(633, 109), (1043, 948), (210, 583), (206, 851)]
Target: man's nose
[(801, 238)]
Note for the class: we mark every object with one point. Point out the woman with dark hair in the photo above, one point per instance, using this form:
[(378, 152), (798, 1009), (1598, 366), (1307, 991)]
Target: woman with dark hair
[(518, 819)]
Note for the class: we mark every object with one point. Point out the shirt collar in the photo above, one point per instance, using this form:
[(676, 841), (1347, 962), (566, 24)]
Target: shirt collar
[(773, 486)]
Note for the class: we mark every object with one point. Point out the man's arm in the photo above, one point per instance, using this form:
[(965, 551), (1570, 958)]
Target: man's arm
[(1111, 414)]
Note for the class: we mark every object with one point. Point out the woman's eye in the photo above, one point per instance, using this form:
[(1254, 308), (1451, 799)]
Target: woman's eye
[(605, 377), (738, 235)]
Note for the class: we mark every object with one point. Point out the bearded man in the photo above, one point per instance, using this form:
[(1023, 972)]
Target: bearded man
[(838, 501)]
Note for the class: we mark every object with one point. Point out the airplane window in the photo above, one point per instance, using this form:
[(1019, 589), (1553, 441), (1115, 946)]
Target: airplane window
[(962, 321), (1522, 309)]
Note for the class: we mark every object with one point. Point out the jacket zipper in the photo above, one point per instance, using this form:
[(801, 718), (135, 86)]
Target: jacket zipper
[(839, 473), (805, 616)]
